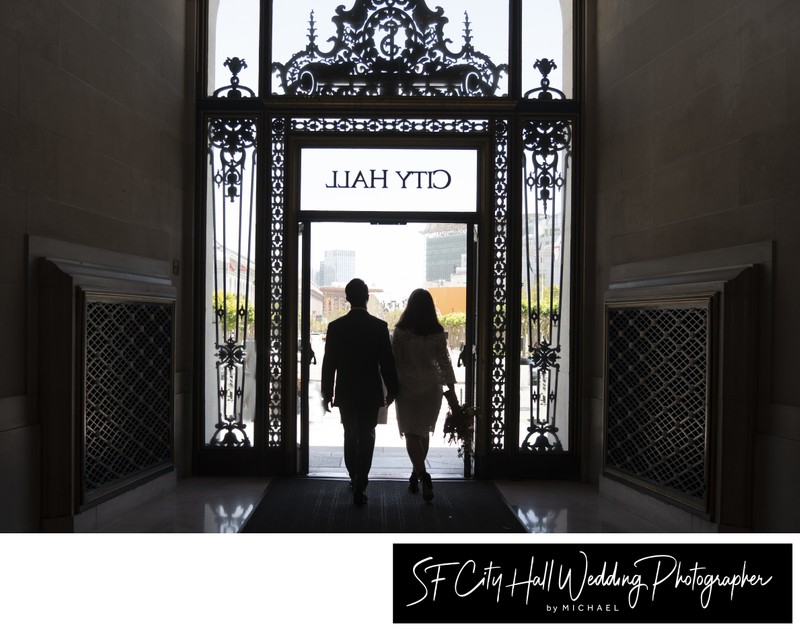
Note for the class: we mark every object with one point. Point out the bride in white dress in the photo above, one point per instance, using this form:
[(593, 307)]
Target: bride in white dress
[(423, 365)]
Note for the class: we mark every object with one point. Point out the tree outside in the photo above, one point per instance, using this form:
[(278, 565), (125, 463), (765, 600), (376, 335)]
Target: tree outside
[(547, 306), (236, 313)]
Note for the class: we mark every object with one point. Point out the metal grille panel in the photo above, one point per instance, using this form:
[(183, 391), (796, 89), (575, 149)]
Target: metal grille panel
[(499, 294), (546, 151), (232, 149), (276, 282), (657, 397), (128, 391)]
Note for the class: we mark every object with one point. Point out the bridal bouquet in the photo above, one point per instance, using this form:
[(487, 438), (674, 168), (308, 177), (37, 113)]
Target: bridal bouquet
[(459, 427)]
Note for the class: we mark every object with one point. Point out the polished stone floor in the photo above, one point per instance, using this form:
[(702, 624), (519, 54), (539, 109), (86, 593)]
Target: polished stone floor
[(222, 505), (206, 505)]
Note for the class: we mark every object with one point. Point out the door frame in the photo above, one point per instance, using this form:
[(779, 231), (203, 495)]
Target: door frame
[(477, 221), (305, 231)]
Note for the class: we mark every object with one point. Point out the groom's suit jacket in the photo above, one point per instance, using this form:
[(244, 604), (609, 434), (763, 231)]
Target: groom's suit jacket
[(358, 353)]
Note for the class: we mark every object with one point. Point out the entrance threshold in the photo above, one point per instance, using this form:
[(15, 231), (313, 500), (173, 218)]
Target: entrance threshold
[(387, 463)]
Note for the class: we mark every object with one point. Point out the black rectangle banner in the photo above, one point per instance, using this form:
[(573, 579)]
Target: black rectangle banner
[(592, 583)]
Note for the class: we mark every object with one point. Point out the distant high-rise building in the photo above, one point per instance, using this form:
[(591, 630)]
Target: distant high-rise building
[(445, 245), (337, 266)]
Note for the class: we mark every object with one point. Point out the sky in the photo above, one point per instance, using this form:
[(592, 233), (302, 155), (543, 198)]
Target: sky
[(391, 258)]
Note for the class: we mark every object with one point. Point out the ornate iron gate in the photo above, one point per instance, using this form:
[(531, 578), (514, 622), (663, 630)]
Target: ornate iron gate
[(395, 50)]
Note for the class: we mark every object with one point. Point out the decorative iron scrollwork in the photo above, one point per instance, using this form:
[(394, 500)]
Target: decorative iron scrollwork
[(233, 137), (499, 292), (277, 281), (544, 142), (234, 89), (231, 143), (544, 92), (390, 126), (389, 48)]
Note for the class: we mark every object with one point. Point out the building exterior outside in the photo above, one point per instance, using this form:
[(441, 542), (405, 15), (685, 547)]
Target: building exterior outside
[(338, 266), (452, 299), (444, 247), (334, 302)]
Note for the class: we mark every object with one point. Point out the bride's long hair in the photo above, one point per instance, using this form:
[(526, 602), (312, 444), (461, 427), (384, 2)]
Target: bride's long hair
[(419, 315)]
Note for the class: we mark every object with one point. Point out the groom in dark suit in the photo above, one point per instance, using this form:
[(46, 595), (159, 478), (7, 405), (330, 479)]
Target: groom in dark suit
[(357, 354)]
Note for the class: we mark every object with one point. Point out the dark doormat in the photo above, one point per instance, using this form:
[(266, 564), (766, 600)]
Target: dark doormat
[(319, 505)]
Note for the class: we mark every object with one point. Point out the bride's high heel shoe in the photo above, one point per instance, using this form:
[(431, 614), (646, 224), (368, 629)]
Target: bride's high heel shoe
[(413, 482), (427, 486)]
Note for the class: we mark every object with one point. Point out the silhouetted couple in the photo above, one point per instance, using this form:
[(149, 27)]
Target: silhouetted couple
[(363, 370)]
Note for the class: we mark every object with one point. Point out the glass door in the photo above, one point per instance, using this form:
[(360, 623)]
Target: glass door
[(306, 357), (393, 259)]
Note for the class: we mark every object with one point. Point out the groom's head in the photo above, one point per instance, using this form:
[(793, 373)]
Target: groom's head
[(357, 293)]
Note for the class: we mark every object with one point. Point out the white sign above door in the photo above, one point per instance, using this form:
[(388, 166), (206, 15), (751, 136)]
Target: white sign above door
[(389, 180)]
